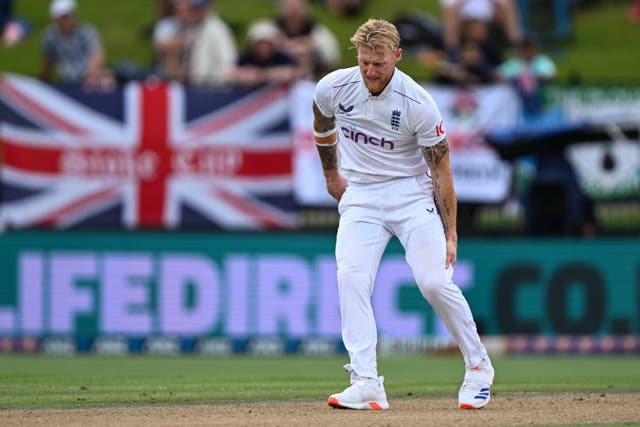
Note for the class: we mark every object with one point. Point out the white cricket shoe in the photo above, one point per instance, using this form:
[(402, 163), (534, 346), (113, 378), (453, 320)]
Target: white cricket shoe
[(475, 392), (364, 393)]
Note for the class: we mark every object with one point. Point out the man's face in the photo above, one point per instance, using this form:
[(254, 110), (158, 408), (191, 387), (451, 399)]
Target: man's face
[(264, 49), (183, 11), (198, 13), (66, 23), (376, 67)]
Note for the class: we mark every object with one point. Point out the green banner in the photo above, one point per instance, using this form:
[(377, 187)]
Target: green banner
[(213, 284)]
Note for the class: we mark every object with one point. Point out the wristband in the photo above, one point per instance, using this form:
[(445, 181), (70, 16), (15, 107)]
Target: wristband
[(326, 139), (324, 134), (327, 145)]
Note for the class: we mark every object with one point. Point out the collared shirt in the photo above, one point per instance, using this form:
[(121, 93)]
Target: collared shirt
[(483, 10), (213, 53), (379, 136), (72, 53)]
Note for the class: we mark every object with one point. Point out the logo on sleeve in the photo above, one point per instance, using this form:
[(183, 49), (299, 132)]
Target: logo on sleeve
[(395, 119), (345, 110), (440, 129)]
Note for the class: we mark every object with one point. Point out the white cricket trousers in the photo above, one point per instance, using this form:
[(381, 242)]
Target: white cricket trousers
[(370, 214)]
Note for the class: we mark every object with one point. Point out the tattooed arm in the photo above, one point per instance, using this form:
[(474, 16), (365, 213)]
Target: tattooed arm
[(437, 157), (328, 151)]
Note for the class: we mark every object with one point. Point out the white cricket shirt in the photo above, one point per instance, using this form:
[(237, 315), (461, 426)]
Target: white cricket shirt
[(378, 136), (483, 10)]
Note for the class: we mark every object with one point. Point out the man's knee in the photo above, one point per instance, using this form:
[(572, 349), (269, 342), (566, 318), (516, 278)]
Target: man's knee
[(353, 276), (432, 286)]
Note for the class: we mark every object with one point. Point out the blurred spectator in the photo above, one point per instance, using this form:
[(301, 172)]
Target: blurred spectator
[(555, 204), (528, 71), (478, 31), (74, 48), (264, 62), (344, 7), (165, 8), (12, 28), (212, 50), (170, 42), (471, 68), (419, 30), (504, 13), (474, 33), (314, 47)]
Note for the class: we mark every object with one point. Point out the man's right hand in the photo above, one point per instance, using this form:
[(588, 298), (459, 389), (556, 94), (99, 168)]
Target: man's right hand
[(336, 184)]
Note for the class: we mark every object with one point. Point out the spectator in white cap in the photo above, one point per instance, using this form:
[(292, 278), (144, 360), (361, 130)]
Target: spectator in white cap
[(265, 61), (74, 49)]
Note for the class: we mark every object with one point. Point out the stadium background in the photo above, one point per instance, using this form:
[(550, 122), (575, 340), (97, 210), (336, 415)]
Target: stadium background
[(246, 290)]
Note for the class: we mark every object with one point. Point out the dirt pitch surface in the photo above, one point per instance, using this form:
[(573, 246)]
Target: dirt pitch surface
[(504, 410)]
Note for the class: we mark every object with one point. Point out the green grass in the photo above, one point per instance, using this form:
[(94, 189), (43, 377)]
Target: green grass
[(602, 49), (84, 381)]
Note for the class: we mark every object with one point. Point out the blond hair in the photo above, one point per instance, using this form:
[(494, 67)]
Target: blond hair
[(377, 34)]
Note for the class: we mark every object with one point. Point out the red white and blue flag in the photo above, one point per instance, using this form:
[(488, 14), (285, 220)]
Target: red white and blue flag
[(145, 156)]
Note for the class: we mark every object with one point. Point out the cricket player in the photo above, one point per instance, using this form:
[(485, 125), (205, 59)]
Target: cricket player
[(394, 179)]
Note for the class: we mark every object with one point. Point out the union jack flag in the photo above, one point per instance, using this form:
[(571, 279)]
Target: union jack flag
[(147, 155)]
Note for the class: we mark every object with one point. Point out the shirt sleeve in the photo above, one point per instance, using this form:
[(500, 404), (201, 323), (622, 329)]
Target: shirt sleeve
[(322, 97), (92, 37), (429, 128), (163, 31), (544, 67), (213, 54), (510, 69), (327, 46)]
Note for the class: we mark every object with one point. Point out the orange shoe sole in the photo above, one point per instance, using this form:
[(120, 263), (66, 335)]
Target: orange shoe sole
[(333, 402)]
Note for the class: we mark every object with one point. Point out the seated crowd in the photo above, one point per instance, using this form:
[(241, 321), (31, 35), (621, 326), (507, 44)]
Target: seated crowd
[(194, 45), (481, 42), (477, 42)]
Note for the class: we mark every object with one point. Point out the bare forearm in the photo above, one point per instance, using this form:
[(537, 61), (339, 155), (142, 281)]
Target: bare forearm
[(326, 143), (46, 69), (328, 157), (445, 198), (280, 74), (326, 139), (95, 63), (450, 16), (510, 17), (437, 157)]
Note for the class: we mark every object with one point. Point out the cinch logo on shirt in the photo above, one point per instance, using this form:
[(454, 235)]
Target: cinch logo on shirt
[(366, 139)]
